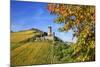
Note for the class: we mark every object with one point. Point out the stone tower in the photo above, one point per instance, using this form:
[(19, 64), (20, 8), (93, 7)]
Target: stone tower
[(49, 31), (53, 33)]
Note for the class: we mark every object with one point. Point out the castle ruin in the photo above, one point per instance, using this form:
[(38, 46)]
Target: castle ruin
[(50, 35)]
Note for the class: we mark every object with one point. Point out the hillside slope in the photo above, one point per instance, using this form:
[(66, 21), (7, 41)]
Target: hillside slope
[(32, 52)]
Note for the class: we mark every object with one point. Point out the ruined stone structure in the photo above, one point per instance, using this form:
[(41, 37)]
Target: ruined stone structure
[(49, 31), (50, 35)]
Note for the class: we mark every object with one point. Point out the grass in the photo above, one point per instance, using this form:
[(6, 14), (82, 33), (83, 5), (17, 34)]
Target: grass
[(22, 35), (30, 53)]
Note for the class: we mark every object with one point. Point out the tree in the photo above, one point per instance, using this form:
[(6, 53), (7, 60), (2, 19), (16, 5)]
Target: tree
[(80, 19)]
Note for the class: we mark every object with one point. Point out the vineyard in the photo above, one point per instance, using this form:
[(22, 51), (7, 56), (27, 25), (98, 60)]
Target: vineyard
[(30, 53)]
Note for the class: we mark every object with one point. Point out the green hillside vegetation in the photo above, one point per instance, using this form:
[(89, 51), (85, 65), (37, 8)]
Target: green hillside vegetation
[(26, 51)]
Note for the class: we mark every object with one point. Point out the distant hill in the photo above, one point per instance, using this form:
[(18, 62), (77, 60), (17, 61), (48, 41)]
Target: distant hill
[(31, 34)]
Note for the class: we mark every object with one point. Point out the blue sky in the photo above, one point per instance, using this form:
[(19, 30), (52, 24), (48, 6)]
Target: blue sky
[(27, 15)]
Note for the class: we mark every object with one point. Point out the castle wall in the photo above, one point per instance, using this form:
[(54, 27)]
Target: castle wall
[(50, 35), (49, 31)]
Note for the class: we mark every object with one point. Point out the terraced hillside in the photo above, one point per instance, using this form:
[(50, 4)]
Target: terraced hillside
[(32, 52)]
